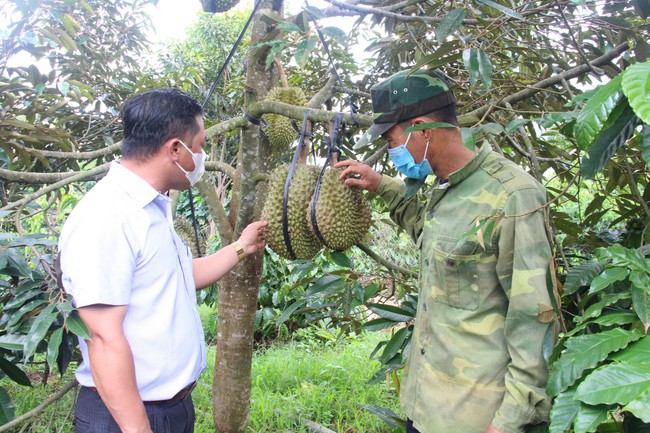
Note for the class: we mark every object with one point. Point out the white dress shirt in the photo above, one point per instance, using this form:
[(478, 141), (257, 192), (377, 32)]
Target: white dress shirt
[(119, 247)]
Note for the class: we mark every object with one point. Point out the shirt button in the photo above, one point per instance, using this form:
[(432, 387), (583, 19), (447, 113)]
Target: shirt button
[(425, 306), (426, 262), (451, 262), (422, 351)]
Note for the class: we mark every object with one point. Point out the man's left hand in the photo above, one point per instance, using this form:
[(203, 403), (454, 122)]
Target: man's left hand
[(252, 238), (492, 429)]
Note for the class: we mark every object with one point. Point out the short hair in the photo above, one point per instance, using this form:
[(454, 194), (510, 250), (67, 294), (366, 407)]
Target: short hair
[(153, 117)]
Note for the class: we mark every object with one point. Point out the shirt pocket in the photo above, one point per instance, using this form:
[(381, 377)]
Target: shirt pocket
[(454, 272)]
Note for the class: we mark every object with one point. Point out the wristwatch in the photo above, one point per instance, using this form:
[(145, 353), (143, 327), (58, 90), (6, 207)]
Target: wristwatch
[(240, 251)]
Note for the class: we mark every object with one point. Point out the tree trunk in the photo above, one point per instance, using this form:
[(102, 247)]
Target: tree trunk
[(237, 300)]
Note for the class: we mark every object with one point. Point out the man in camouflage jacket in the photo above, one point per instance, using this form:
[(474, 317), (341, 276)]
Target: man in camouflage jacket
[(476, 362)]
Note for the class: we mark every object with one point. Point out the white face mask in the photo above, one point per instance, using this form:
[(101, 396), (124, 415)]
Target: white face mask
[(199, 165)]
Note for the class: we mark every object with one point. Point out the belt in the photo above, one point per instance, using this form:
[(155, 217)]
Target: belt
[(180, 395)]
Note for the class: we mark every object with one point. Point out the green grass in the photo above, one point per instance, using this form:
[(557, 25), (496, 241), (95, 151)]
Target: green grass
[(323, 382)]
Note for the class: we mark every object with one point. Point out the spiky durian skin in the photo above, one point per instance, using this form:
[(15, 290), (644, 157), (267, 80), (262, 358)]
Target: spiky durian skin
[(303, 242), (280, 131), (343, 214), (212, 6), (185, 231)]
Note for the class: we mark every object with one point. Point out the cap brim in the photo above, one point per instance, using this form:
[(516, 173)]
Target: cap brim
[(373, 133)]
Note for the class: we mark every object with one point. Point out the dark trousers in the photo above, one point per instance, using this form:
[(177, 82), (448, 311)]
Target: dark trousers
[(410, 428), (92, 416)]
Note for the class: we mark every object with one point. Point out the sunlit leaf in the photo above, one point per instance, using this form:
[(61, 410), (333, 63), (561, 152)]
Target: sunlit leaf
[(596, 111), (585, 352), (450, 23), (635, 353), (503, 9), (77, 326), (608, 277), (485, 68), (614, 383), (636, 86), (640, 406), (39, 329)]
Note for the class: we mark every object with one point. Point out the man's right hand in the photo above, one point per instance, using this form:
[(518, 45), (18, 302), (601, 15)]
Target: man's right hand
[(359, 175)]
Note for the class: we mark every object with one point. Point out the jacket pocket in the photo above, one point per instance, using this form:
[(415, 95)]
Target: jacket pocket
[(454, 269)]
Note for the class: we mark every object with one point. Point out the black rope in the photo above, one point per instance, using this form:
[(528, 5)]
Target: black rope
[(331, 149), (353, 107), (205, 103), (287, 184), (196, 229)]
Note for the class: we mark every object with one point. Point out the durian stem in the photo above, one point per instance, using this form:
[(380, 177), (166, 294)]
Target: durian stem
[(390, 266), (283, 75)]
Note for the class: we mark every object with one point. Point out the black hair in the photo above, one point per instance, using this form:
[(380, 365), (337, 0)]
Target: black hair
[(153, 117)]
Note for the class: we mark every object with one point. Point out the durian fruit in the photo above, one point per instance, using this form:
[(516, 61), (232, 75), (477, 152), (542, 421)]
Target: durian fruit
[(185, 231), (280, 131), (212, 6), (303, 242), (343, 214)]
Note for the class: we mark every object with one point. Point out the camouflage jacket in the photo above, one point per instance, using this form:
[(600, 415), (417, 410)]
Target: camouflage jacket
[(476, 355)]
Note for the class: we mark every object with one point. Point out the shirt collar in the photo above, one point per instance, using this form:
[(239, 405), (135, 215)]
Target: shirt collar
[(469, 168), (134, 186)]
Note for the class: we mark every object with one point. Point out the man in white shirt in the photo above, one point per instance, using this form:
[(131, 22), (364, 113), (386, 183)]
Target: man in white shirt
[(133, 279)]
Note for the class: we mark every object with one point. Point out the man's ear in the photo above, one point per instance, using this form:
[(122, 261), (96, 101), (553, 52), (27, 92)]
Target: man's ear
[(172, 149)]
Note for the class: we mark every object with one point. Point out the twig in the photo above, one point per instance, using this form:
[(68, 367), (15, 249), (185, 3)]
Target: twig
[(38, 409), (315, 427), (384, 262)]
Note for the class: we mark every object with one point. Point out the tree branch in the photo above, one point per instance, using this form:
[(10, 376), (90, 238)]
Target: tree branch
[(390, 266), (38, 409), (212, 200), (551, 81), (73, 155), (221, 167), (68, 180)]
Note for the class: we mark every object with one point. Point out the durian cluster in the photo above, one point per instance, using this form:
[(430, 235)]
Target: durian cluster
[(214, 6), (281, 132), (343, 214)]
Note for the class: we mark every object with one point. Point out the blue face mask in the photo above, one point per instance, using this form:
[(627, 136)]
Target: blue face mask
[(405, 163)]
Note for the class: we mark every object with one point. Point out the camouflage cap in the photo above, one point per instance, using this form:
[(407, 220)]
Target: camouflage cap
[(404, 96)]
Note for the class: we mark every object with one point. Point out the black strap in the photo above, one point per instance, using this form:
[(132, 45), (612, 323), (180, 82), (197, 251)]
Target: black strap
[(196, 230), (353, 107), (331, 149), (287, 184), (256, 122)]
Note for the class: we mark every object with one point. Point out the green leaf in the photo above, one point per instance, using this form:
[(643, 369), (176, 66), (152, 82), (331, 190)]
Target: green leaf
[(586, 352), (485, 68), (563, 411), (608, 142), (450, 23), (641, 305), (77, 326), (581, 275), (590, 417), (609, 319), (303, 51), (387, 415), (635, 353), (335, 33), (6, 407), (379, 324), (503, 9), (595, 309), (596, 111), (39, 329), (470, 59), (53, 347), (340, 259), (640, 406), (289, 27), (12, 341), (391, 312), (614, 383), (289, 311), (608, 277), (25, 309), (636, 86), (14, 372), (394, 345)]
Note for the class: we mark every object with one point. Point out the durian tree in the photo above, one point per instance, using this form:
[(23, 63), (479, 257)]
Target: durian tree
[(560, 87)]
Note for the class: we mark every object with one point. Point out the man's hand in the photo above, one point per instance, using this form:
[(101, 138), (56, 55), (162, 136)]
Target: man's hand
[(359, 175), (252, 238), (492, 429)]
